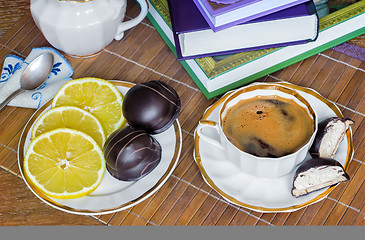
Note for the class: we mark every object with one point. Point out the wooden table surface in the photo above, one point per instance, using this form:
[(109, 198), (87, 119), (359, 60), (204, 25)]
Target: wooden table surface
[(185, 199)]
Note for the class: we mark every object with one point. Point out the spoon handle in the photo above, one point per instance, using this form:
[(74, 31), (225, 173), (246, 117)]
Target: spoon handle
[(11, 97)]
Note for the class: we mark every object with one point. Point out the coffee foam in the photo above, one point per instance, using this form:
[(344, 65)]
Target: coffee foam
[(267, 126)]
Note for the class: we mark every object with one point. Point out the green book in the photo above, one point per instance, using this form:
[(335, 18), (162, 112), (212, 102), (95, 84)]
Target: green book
[(219, 74)]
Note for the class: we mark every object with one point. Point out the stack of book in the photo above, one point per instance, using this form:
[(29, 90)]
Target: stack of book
[(225, 51), (209, 28)]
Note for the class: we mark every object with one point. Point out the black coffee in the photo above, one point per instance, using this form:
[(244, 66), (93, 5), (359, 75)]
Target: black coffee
[(268, 126)]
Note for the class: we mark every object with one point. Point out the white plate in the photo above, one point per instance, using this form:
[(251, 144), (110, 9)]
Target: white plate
[(264, 194), (112, 195)]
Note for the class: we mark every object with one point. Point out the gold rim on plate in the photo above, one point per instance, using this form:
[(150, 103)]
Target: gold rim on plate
[(231, 199), (129, 204)]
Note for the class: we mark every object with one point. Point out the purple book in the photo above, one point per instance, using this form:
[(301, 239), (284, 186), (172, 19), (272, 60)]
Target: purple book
[(193, 37), (217, 7), (222, 16)]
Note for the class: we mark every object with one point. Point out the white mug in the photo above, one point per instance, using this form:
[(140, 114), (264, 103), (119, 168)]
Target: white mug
[(83, 27), (263, 167)]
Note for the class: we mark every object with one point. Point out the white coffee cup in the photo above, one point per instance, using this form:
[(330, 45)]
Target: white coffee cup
[(83, 27), (263, 167)]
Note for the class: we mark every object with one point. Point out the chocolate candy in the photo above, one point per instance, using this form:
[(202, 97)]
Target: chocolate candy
[(131, 154), (152, 106), (330, 133), (317, 173)]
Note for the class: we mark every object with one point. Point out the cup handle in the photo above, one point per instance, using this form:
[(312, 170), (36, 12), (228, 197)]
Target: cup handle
[(209, 124), (123, 26)]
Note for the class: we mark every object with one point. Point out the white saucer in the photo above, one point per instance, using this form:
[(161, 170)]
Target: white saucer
[(260, 194), (113, 195)]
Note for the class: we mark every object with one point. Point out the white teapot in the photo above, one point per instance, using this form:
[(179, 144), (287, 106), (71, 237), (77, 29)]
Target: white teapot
[(83, 27)]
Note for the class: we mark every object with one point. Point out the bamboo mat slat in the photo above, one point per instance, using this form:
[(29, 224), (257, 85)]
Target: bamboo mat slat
[(11, 12), (185, 199)]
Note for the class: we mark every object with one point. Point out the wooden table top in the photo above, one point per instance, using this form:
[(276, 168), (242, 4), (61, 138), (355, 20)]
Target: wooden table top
[(185, 198)]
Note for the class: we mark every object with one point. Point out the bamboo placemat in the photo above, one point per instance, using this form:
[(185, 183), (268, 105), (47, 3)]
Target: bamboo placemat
[(11, 12), (185, 199)]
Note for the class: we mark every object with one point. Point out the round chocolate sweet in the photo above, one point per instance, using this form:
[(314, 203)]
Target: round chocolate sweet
[(152, 106), (131, 154)]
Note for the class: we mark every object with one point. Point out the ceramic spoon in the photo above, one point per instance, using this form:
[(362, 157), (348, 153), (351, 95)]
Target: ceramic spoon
[(33, 76)]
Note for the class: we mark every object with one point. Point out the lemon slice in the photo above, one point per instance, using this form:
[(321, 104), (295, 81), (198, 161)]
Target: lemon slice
[(64, 163), (69, 117), (97, 96)]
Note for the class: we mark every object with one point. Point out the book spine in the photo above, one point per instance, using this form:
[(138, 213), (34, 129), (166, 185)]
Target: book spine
[(176, 37), (311, 8), (203, 4), (204, 14), (253, 17), (228, 7), (287, 5)]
